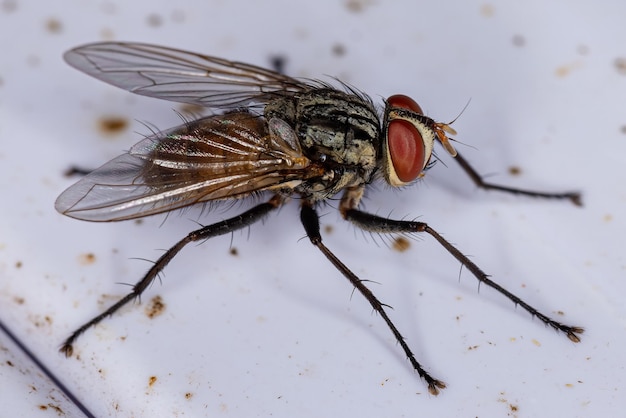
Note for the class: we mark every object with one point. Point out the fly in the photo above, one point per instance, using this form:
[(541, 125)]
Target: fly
[(276, 134)]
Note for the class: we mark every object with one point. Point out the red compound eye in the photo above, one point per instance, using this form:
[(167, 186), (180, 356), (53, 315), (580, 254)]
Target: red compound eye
[(405, 102), (404, 142)]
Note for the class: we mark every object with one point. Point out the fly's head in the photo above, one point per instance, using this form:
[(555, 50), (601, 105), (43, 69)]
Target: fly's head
[(408, 140)]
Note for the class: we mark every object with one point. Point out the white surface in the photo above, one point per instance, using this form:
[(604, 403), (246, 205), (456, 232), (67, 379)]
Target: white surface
[(274, 331)]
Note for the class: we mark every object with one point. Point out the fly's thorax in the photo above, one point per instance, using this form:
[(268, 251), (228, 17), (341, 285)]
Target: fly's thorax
[(282, 107), (337, 131), (341, 128)]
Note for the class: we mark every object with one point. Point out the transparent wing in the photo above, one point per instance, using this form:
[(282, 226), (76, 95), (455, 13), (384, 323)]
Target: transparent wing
[(181, 76), (218, 157)]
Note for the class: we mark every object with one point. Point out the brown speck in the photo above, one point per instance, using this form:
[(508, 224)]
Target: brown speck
[(569, 385), (188, 395), (620, 65), (107, 34), (43, 407), (518, 40), (178, 16), (300, 33), (138, 221), (565, 70), (18, 264), (107, 299), (562, 71), (537, 343), (108, 7), (86, 259), (607, 218), (33, 61), (9, 363), (76, 171), (154, 20), (112, 125), (40, 322), (328, 229), (191, 109), (514, 408), (58, 410), (8, 6), (357, 6), (487, 10), (19, 300), (152, 380), (582, 49), (233, 251), (339, 50), (401, 244), (515, 170), (155, 307), (278, 62), (54, 26)]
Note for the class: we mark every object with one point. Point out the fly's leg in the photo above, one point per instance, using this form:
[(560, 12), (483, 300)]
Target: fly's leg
[(310, 221), (220, 228), (379, 224), (574, 197)]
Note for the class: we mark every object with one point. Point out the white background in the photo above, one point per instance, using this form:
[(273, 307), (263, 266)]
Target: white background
[(275, 330)]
